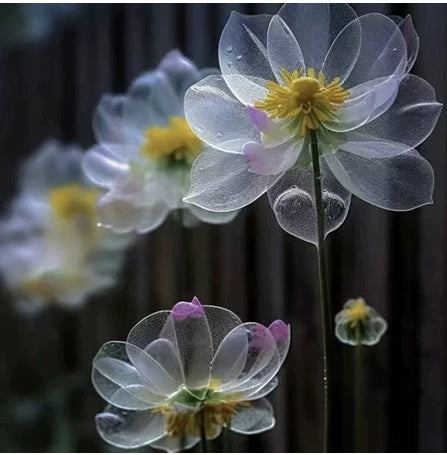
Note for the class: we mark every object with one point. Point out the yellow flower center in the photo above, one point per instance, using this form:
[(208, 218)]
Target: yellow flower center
[(358, 313), (308, 98), (176, 141), (73, 200), (215, 415)]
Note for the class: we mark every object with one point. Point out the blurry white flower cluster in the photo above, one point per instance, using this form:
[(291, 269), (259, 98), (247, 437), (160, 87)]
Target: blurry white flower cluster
[(51, 248), (145, 151)]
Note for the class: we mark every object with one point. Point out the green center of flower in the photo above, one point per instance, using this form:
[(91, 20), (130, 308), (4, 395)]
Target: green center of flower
[(358, 313), (307, 98), (175, 142)]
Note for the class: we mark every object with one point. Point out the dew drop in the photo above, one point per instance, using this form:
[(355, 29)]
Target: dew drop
[(230, 49), (239, 57), (219, 135)]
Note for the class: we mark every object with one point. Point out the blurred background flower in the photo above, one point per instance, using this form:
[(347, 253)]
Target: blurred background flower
[(187, 373), (51, 248), (146, 150)]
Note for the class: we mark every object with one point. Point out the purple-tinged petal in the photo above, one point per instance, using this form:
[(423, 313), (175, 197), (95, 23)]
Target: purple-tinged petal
[(184, 310), (260, 120), (280, 330)]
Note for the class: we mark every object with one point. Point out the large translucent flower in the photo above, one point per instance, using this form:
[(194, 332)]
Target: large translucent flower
[(359, 323), (145, 151), (320, 69), (181, 366), (51, 249)]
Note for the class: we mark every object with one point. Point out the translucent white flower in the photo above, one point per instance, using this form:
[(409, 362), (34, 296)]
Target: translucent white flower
[(313, 68), (145, 151), (51, 249), (178, 364), (358, 323)]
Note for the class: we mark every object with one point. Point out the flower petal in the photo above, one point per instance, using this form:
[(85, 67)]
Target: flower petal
[(172, 444), (254, 419), (222, 182), (212, 217), (401, 182), (130, 429), (412, 117), (411, 39), (291, 199), (103, 167), (383, 52), (262, 392), (230, 126), (282, 48), (242, 51), (315, 26)]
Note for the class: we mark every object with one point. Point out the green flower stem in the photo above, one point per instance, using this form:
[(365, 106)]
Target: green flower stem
[(358, 393), (324, 294), (203, 432)]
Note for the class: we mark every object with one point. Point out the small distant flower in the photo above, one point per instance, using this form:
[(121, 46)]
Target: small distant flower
[(181, 366), (145, 151), (313, 68), (358, 323), (51, 249)]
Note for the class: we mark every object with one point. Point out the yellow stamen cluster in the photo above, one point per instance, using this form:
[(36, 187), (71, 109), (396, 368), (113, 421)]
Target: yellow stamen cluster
[(305, 97), (176, 141), (73, 200), (215, 415), (358, 313)]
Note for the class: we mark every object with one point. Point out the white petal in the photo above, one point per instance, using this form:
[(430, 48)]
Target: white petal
[(371, 147), (412, 117), (283, 50), (222, 182), (229, 126), (262, 392), (172, 444), (254, 419), (411, 39), (401, 182), (315, 26), (242, 51), (383, 51), (212, 217), (291, 199), (130, 429), (103, 167)]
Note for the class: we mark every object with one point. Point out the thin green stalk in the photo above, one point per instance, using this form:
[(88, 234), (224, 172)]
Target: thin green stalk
[(324, 294), (203, 431), (358, 393)]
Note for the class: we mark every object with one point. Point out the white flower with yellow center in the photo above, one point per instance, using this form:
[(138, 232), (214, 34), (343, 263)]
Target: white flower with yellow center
[(51, 249), (359, 323), (145, 151), (313, 70), (196, 366)]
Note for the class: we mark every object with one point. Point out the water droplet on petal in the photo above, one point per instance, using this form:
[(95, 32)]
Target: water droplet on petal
[(239, 57), (230, 49), (219, 135), (334, 208)]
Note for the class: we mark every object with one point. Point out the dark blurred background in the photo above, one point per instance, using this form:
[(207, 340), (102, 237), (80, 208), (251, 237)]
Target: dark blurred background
[(55, 62)]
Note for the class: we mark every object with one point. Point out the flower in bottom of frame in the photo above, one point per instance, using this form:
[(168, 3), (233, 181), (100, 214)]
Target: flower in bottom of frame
[(194, 367), (358, 323)]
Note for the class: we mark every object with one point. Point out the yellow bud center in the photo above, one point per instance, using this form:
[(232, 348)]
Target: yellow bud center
[(357, 313), (308, 98), (176, 141)]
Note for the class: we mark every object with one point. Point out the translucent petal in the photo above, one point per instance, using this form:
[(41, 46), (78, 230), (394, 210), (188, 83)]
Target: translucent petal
[(401, 182), (292, 197), (261, 350), (140, 114), (212, 217), (171, 444), (411, 39), (354, 113), (109, 125), (231, 357), (254, 419), (243, 51), (343, 53), (154, 89), (383, 51), (282, 48), (371, 147), (412, 117), (315, 26), (262, 392), (222, 182), (129, 429), (103, 167), (160, 381), (230, 126)]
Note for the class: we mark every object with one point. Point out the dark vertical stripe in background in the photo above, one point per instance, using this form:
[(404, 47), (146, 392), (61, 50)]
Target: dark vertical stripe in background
[(49, 86)]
